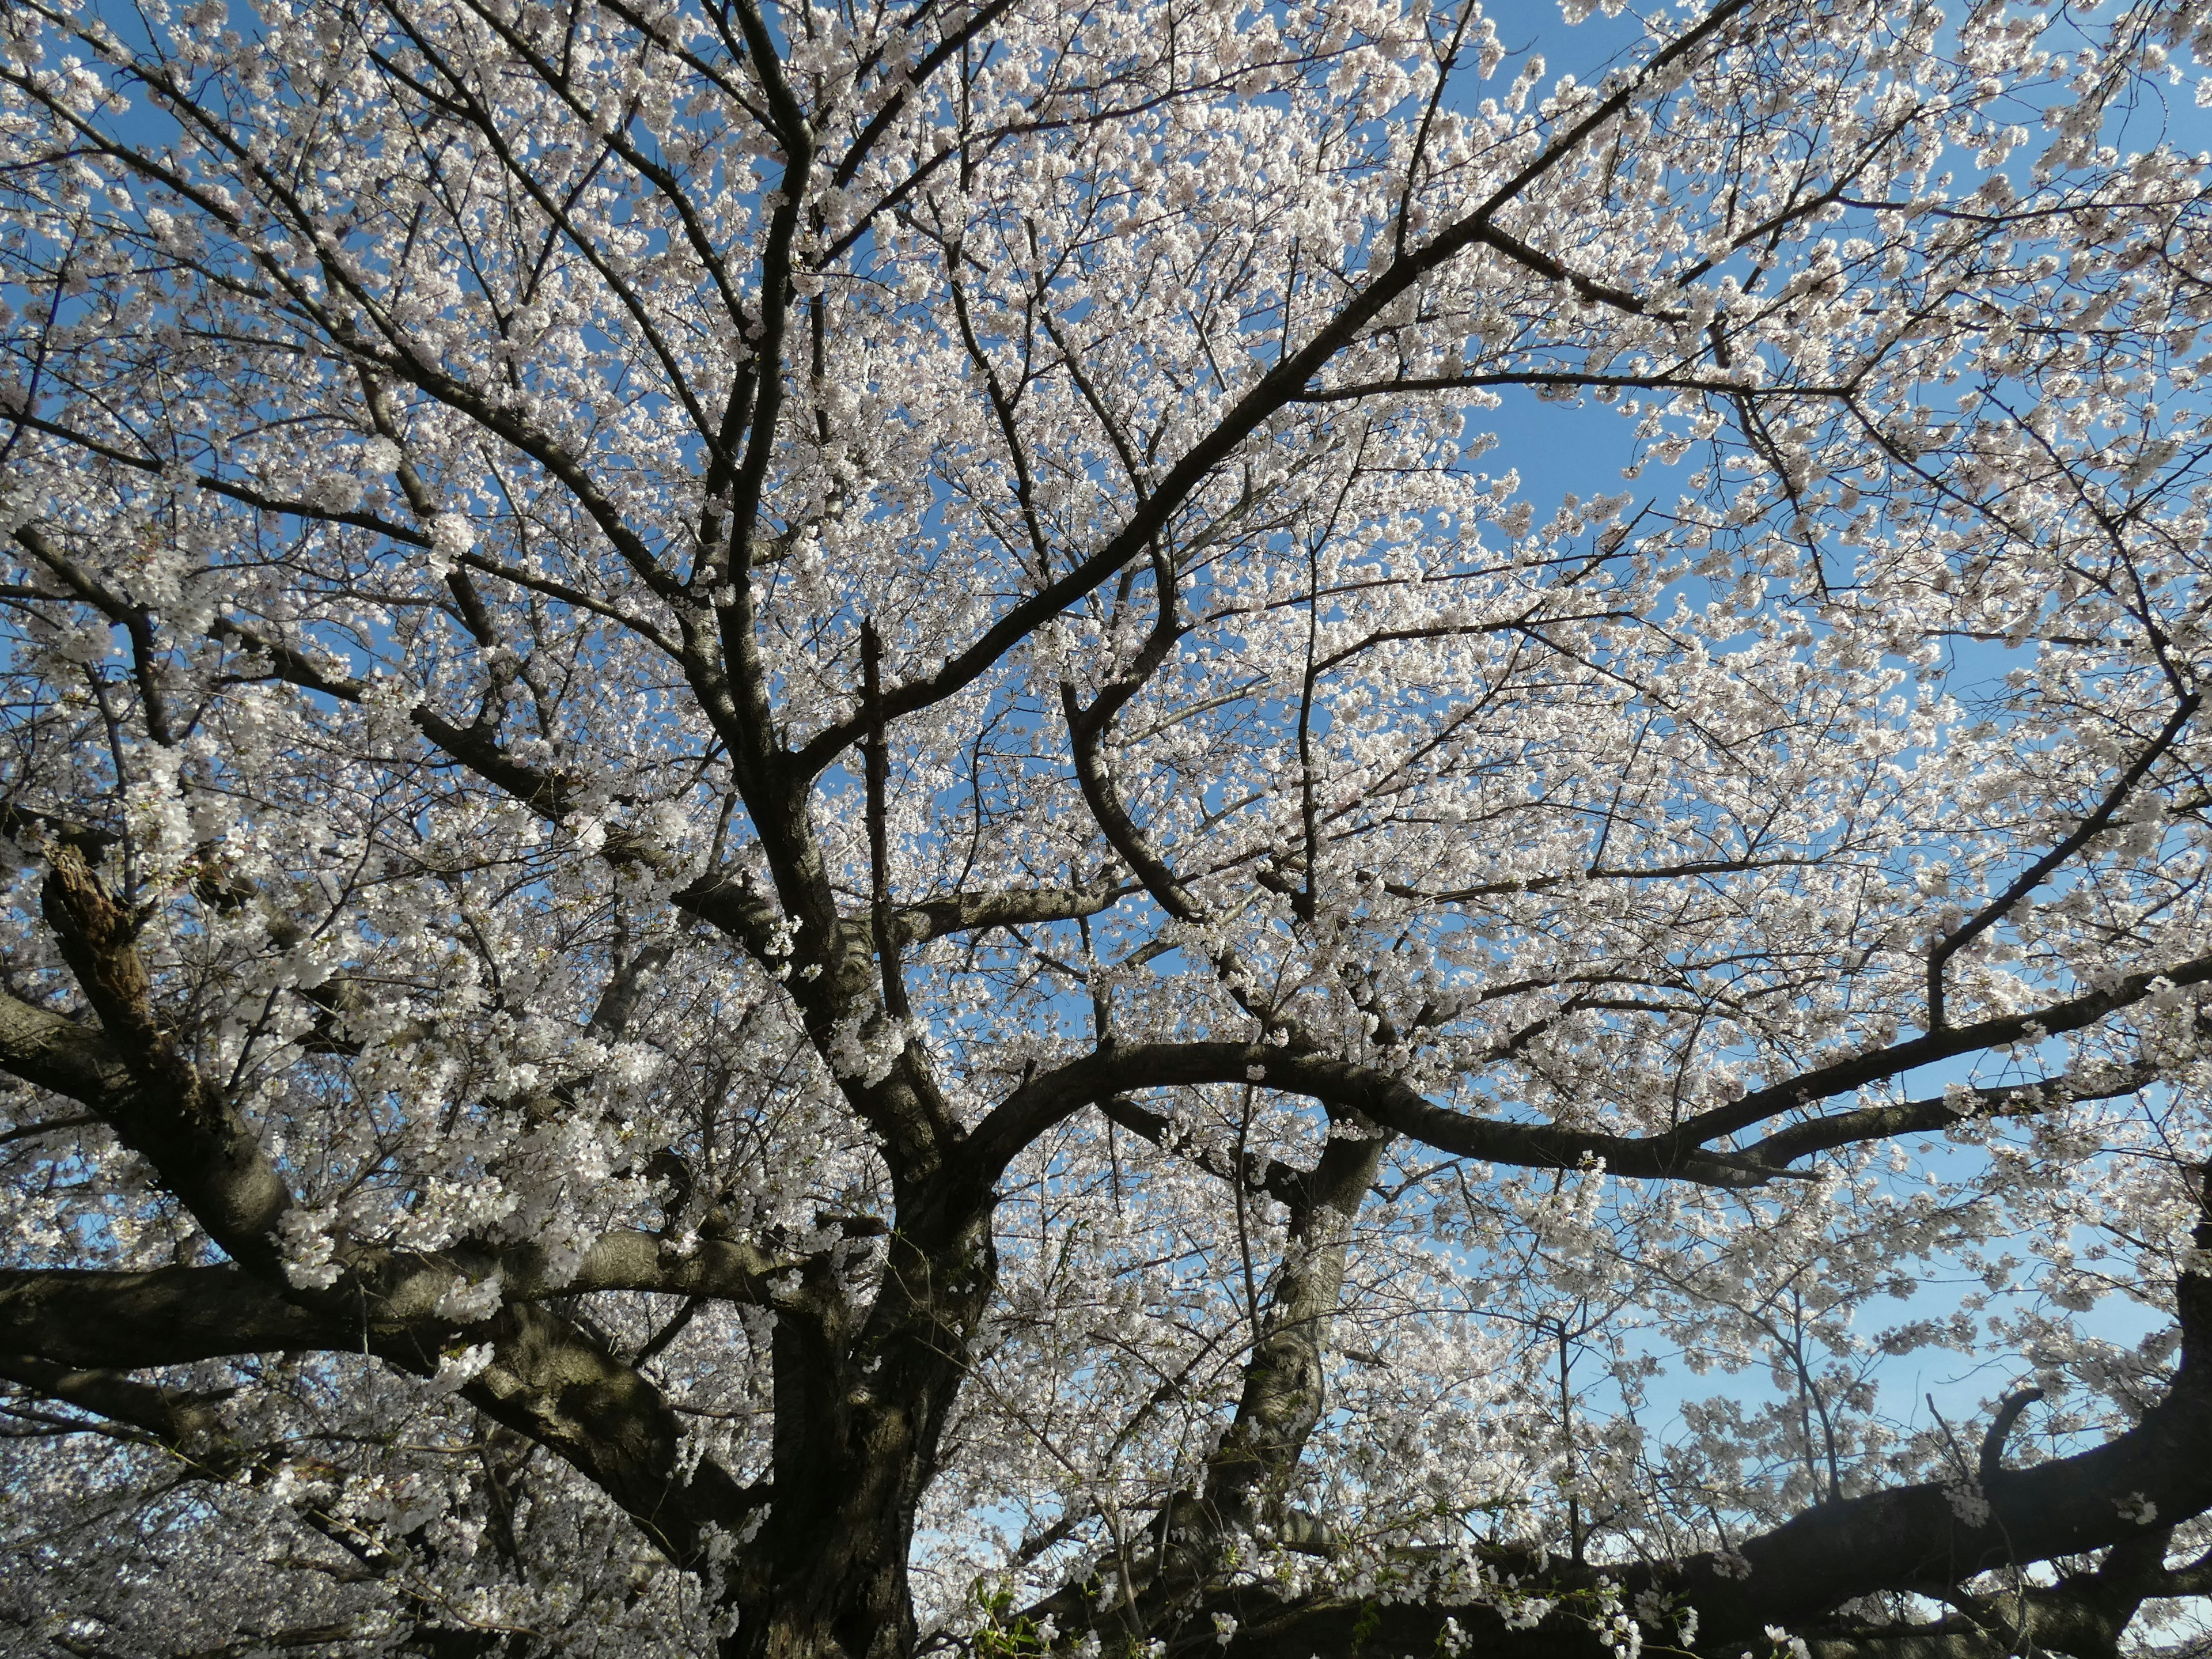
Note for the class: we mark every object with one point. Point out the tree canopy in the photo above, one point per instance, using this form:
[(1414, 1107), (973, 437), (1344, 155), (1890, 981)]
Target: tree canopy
[(801, 866)]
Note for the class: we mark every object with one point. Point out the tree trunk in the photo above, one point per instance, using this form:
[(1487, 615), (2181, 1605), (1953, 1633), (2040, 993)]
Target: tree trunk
[(1285, 1381), (859, 1414)]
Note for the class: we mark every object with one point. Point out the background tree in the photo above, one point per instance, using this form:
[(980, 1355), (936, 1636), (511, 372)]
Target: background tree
[(805, 870)]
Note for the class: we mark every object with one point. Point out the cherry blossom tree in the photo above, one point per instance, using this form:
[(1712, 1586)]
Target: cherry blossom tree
[(801, 866)]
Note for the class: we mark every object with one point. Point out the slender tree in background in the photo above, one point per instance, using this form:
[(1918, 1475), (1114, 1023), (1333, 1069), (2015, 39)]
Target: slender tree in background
[(802, 868)]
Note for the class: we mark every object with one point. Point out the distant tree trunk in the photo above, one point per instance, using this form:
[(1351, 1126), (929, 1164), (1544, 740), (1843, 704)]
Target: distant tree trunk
[(1285, 1381)]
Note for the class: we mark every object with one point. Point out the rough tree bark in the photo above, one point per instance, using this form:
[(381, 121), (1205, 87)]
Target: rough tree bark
[(875, 1319)]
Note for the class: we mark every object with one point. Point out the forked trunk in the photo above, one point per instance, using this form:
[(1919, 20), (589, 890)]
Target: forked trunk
[(859, 1414)]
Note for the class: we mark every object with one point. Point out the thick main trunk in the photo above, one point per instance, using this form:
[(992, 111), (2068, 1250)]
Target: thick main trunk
[(861, 1402)]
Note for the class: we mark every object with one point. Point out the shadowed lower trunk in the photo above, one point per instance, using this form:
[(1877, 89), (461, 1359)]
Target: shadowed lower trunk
[(861, 1400)]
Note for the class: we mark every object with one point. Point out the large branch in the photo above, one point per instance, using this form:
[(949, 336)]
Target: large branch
[(962, 912), (725, 904), (1284, 1389), (555, 1382), (58, 1054), (547, 1377), (721, 903), (2084, 1614), (99, 1319), (1879, 1065), (135, 620), (86, 1320), (1248, 1477), (1932, 1538), (65, 1332), (1121, 1068), (1683, 1153), (1086, 735), (136, 1075), (1937, 1113)]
